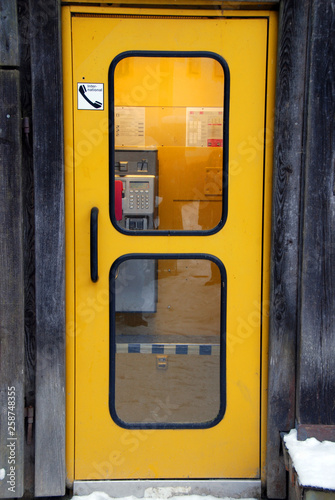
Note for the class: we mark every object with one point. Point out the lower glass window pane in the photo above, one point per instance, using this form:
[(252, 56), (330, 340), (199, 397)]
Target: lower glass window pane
[(167, 331)]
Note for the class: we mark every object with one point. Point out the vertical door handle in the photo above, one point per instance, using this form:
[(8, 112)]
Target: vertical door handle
[(94, 244)]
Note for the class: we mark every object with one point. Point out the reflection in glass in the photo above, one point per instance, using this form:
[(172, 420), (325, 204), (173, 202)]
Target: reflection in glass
[(169, 142), (167, 341)]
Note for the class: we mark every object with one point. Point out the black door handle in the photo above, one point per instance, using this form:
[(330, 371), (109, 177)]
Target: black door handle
[(94, 244)]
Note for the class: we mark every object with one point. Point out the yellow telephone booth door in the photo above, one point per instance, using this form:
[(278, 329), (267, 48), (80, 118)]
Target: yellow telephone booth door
[(168, 148)]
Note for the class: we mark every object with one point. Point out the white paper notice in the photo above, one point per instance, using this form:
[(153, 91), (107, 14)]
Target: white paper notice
[(204, 127), (129, 126)]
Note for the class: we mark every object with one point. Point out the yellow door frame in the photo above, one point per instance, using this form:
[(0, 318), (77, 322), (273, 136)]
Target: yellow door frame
[(252, 144)]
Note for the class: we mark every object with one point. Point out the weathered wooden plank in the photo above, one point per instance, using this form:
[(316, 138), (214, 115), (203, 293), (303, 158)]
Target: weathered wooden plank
[(319, 431), (9, 44), (28, 233), (49, 248), (289, 138), (316, 362), (294, 490), (264, 4), (11, 291), (28, 201)]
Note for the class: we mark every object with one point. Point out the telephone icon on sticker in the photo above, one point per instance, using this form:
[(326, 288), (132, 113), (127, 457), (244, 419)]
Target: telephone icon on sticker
[(90, 96)]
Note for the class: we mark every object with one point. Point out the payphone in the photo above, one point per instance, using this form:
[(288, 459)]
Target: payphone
[(138, 201), (137, 171)]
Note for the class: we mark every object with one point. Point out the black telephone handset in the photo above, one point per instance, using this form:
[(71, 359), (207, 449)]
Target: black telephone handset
[(96, 104)]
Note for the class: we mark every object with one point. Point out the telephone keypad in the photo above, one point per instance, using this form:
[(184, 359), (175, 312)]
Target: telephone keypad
[(139, 199), (138, 195)]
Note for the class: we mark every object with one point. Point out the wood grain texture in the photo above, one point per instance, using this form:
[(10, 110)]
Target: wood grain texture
[(49, 248), (319, 431), (9, 42), (11, 291), (219, 4), (316, 361), (288, 162), (28, 201), (28, 233)]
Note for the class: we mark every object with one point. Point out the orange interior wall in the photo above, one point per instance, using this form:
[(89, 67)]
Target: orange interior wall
[(190, 178)]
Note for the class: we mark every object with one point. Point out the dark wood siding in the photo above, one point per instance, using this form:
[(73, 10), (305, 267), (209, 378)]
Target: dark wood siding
[(288, 164), (316, 360), (302, 340), (11, 261), (49, 247)]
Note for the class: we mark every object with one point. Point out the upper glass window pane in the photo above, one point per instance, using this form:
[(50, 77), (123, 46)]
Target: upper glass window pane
[(169, 143)]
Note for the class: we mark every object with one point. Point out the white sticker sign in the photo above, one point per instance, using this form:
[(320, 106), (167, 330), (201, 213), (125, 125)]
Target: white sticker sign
[(129, 126), (91, 96)]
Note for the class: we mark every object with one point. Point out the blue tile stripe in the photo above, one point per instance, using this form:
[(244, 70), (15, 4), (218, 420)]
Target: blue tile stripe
[(205, 350), (181, 349), (195, 349), (134, 348)]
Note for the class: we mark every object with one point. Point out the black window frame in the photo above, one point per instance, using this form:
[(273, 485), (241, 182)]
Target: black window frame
[(223, 349), (111, 107)]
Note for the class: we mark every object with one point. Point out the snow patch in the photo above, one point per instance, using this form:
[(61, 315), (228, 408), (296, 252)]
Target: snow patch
[(97, 495), (2, 474), (157, 494), (166, 492), (313, 460)]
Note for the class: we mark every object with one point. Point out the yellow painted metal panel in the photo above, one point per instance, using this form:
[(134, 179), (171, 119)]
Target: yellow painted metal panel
[(268, 140), (152, 9), (69, 229), (218, 6), (230, 449)]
